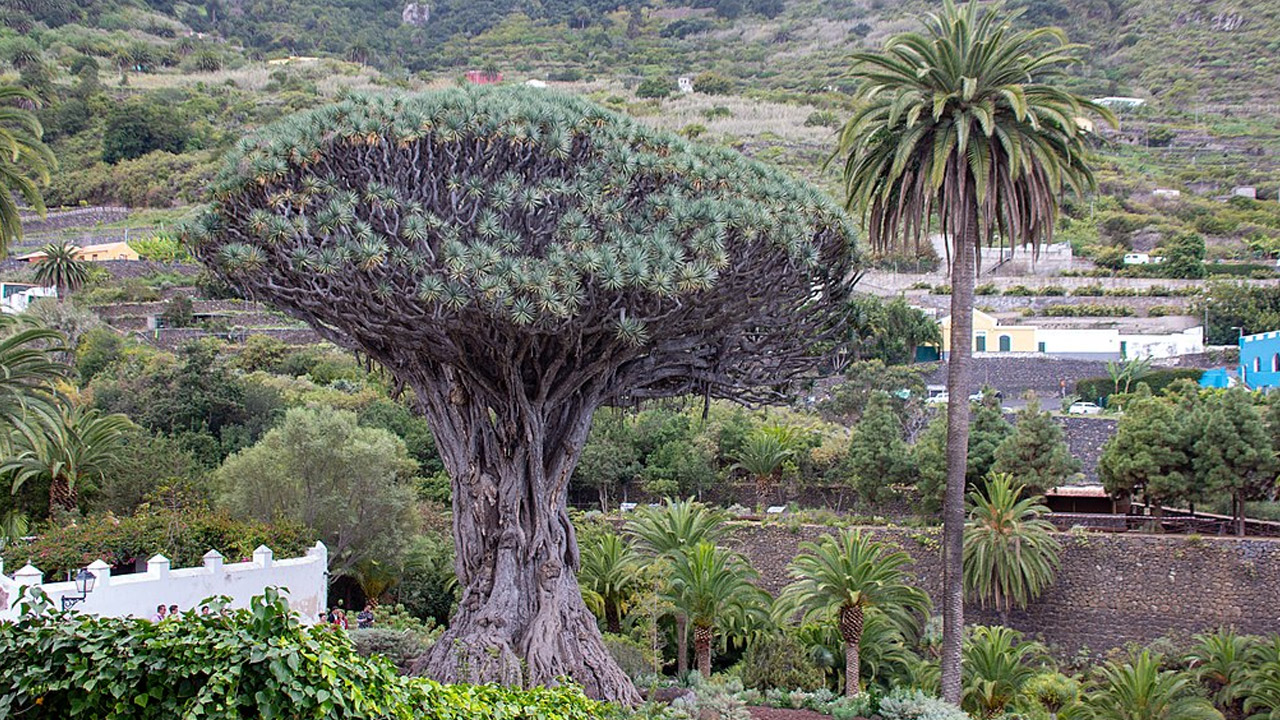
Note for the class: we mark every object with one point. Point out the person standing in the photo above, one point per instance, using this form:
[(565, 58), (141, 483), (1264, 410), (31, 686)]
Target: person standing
[(159, 614), (364, 619)]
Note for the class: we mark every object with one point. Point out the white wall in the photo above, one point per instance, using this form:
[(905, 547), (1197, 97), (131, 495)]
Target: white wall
[(137, 595), (1079, 341), (18, 302), (1187, 342)]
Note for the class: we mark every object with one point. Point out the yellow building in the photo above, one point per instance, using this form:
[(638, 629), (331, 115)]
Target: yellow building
[(93, 253), (990, 336)]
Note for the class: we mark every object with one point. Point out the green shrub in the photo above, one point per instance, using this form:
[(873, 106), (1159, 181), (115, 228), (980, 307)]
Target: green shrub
[(633, 657), (780, 661), (256, 662), (940, 290), (986, 289), (905, 704), (822, 118), (1163, 310), (1019, 291), (1088, 310), (1053, 291), (655, 88), (1088, 291), (1093, 388), (401, 647), (183, 536), (712, 83)]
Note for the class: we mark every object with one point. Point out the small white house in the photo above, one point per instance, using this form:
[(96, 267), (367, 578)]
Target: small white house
[(1120, 103), (17, 297), (1166, 193), (1139, 258), (685, 84), (1245, 192)]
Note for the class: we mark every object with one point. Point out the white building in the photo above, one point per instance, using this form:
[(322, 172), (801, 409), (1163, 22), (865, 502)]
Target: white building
[(1114, 338), (138, 594), (685, 84), (1140, 258), (17, 297)]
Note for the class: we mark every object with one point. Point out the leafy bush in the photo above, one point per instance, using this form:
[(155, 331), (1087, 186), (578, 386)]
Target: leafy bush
[(257, 662), (183, 536), (1088, 310), (906, 704), (779, 661), (654, 87), (401, 647), (1089, 291), (822, 118), (633, 657), (986, 289), (712, 83), (1157, 380)]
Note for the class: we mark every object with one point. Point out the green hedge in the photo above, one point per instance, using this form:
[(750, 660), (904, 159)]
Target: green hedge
[(183, 536), (253, 663), (1104, 387)]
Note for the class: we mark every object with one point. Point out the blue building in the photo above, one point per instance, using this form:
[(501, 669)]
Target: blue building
[(1260, 360)]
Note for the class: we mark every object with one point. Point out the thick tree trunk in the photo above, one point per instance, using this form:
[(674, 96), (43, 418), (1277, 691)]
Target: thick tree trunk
[(682, 645), (702, 636), (612, 621), (521, 619), (958, 374), (62, 495), (851, 622)]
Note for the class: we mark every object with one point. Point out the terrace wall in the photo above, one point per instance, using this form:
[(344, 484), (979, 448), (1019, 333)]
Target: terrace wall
[(1110, 590)]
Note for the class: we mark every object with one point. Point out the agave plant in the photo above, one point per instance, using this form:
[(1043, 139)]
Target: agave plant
[(1140, 690)]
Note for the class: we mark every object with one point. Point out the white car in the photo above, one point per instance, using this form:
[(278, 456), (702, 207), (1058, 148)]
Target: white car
[(939, 399), (1084, 408)]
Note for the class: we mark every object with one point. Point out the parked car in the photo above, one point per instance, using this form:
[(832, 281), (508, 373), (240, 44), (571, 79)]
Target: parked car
[(1084, 408), (977, 397)]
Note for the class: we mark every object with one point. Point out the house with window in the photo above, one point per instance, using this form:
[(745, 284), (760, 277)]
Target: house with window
[(17, 297), (1083, 338), (92, 253), (1260, 360)]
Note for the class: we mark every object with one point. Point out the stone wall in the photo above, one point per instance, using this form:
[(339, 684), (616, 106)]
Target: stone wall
[(1110, 590), (57, 219)]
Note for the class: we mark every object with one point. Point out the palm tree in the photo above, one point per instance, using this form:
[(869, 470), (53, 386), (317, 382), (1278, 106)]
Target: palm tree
[(80, 446), (763, 454), (708, 582), (609, 577), (25, 161), (958, 128), (1220, 661), (671, 529), (844, 576), (998, 663), (1052, 691), (62, 268), (1262, 688), (27, 374), (1140, 690), (1010, 554)]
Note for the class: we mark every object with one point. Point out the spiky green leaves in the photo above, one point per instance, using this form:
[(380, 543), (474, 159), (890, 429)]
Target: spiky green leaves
[(513, 202)]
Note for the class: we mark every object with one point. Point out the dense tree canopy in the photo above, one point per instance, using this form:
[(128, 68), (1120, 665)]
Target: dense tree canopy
[(519, 258)]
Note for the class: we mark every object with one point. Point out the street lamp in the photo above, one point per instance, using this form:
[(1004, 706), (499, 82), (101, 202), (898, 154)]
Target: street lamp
[(84, 586)]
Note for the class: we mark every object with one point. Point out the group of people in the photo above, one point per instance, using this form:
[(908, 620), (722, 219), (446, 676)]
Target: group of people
[(338, 617), (163, 613)]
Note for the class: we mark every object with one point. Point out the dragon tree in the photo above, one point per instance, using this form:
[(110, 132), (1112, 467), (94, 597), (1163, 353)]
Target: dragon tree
[(518, 258)]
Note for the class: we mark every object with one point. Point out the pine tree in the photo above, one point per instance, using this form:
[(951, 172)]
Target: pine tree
[(878, 455), (1232, 451), (1149, 454), (1035, 453), (987, 431)]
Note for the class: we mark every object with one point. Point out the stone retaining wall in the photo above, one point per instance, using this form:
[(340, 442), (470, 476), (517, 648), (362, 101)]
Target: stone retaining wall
[(1110, 590)]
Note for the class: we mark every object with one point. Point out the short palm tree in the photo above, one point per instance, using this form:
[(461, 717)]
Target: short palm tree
[(28, 372), (25, 161), (80, 446), (1261, 690), (841, 577), (1140, 690), (763, 455), (1220, 661), (998, 663), (960, 129), (609, 577), (1010, 554), (707, 582), (61, 267), (672, 528)]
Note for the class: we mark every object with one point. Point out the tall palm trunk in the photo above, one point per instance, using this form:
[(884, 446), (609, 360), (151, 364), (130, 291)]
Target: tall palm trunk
[(682, 645), (851, 632), (702, 648), (958, 374)]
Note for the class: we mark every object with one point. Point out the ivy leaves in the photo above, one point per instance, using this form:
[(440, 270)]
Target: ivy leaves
[(253, 663)]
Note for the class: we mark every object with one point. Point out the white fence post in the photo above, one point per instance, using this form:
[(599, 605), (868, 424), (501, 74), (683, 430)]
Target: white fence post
[(263, 556), (158, 567), (213, 562)]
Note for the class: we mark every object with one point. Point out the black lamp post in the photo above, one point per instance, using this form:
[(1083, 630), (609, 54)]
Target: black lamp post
[(84, 586)]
